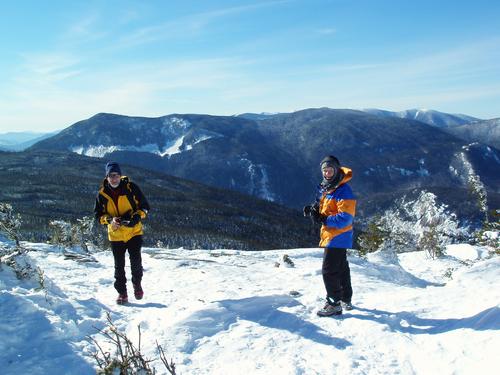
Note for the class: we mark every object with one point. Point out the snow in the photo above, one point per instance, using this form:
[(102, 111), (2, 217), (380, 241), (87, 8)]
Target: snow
[(178, 145), (491, 153), (421, 171), (236, 312), (97, 151), (173, 124), (100, 151), (201, 139), (464, 252), (259, 180), (173, 148)]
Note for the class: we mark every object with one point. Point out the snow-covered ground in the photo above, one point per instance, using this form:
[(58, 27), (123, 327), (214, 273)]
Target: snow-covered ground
[(235, 312)]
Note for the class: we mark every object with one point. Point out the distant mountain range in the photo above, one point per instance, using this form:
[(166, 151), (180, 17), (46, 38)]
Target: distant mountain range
[(276, 156), (19, 141), (427, 116), (467, 128), (486, 131)]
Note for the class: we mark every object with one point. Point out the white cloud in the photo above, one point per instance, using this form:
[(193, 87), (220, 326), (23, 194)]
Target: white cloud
[(88, 28), (189, 25), (47, 68), (56, 89), (326, 31), (40, 95)]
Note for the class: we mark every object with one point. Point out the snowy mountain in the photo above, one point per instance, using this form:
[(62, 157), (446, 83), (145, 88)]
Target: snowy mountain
[(234, 312), (468, 128), (487, 132), (105, 133), (427, 116), (276, 158)]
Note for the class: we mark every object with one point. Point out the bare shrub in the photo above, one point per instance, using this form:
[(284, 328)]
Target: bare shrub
[(127, 358)]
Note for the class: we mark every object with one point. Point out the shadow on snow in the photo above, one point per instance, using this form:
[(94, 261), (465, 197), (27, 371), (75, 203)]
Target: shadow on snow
[(32, 345), (146, 305), (263, 310), (391, 272), (408, 322)]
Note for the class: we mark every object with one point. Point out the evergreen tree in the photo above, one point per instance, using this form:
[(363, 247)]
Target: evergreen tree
[(421, 224), (10, 222), (372, 238)]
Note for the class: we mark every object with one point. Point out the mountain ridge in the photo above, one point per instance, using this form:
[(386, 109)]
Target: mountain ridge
[(276, 158), (428, 116)]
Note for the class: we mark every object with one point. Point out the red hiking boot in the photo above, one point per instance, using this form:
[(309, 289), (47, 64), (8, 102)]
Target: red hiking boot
[(138, 292), (122, 299)]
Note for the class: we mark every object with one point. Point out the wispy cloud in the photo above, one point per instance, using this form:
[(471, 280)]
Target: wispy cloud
[(326, 31), (40, 94), (453, 62), (55, 89), (339, 68), (459, 66), (49, 68), (189, 25), (87, 28)]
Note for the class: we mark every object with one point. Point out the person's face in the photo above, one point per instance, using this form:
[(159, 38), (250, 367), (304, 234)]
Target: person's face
[(328, 172), (114, 179)]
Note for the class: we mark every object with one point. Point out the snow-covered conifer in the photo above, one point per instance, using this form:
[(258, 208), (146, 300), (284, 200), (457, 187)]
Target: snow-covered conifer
[(421, 224), (10, 222), (475, 185)]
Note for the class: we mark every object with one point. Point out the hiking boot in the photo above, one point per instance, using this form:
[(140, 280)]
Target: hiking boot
[(138, 292), (122, 299), (347, 306), (330, 309)]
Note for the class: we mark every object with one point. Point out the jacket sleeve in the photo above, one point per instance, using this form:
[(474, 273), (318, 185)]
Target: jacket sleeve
[(100, 214), (341, 220), (142, 202), (346, 207)]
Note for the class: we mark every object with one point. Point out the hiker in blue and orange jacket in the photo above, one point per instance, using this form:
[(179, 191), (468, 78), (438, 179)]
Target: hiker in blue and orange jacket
[(334, 209), (121, 206)]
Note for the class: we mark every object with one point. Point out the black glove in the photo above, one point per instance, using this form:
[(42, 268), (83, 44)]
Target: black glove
[(131, 221), (316, 216), (307, 210), (134, 220)]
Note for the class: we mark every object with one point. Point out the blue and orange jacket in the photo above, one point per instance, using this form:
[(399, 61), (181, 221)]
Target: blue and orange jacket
[(130, 201), (339, 206)]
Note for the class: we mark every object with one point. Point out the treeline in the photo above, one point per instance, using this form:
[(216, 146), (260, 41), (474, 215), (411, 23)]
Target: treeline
[(44, 187)]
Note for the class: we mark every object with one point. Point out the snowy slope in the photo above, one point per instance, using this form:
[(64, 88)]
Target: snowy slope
[(231, 312)]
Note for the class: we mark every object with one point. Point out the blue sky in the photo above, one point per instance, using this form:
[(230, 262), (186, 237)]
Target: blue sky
[(64, 61)]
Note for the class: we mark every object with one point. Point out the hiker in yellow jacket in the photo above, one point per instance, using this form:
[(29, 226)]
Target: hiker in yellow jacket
[(121, 206)]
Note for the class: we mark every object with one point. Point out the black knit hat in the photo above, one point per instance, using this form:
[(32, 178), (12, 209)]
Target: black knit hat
[(113, 167), (330, 161)]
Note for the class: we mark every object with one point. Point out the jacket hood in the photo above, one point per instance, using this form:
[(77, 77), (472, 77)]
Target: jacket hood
[(347, 175)]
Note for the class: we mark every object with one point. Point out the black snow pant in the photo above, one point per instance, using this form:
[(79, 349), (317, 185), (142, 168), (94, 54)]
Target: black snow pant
[(337, 275), (134, 252)]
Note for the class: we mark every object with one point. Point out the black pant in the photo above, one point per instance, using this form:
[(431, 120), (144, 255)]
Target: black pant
[(134, 252), (337, 275)]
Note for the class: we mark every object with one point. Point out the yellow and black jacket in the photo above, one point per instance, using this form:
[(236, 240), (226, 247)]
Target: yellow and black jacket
[(339, 207), (129, 201)]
